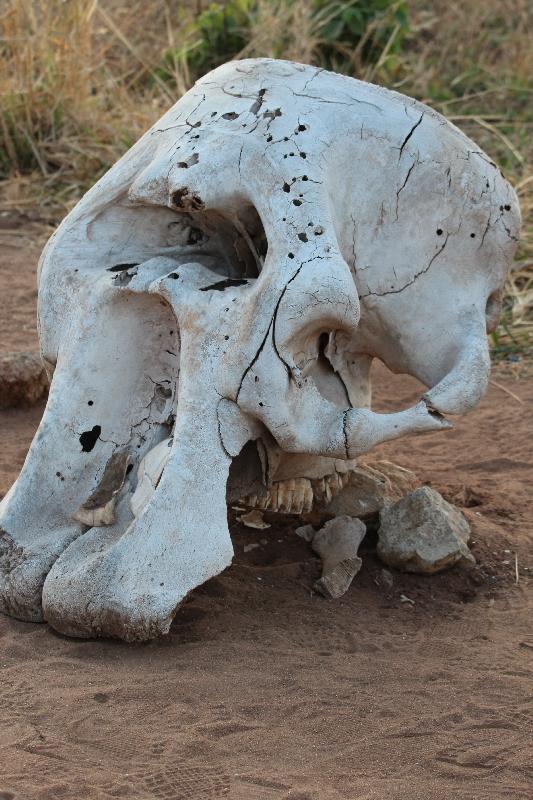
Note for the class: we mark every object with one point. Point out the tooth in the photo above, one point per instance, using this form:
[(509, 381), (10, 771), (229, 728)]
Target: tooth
[(99, 509), (149, 474), (291, 496), (103, 515)]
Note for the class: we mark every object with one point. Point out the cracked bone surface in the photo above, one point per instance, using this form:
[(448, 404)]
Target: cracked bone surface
[(226, 286)]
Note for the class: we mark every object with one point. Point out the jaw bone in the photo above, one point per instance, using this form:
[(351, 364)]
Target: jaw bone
[(87, 428)]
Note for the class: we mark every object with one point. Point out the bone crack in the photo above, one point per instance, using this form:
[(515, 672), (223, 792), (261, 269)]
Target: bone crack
[(413, 129)]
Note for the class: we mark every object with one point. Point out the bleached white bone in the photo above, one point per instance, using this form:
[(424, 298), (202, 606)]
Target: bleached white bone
[(227, 284)]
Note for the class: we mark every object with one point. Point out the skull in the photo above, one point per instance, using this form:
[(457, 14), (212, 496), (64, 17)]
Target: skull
[(210, 311)]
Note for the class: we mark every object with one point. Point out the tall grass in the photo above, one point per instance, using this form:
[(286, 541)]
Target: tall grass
[(80, 80)]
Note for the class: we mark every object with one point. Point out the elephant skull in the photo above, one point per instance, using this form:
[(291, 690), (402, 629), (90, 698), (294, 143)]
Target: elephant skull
[(210, 311)]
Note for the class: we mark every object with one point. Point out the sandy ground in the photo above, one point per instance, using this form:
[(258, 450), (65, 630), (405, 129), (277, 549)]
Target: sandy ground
[(264, 690)]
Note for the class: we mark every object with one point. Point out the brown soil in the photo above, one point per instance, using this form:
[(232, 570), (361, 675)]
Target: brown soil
[(264, 690)]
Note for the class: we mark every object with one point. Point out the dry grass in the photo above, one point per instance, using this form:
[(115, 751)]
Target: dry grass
[(80, 80)]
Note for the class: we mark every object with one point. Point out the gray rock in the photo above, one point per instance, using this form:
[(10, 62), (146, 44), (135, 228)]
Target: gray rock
[(423, 533)]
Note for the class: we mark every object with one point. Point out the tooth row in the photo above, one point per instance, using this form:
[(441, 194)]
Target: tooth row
[(328, 487), (294, 496), (297, 495)]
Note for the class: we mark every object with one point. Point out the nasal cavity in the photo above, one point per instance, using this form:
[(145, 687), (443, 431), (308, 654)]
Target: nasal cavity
[(242, 241), (88, 439)]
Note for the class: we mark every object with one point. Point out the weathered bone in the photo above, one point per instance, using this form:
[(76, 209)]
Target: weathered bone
[(99, 509), (226, 285), (337, 544)]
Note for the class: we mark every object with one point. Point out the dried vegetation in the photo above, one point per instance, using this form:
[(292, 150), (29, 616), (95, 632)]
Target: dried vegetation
[(80, 81)]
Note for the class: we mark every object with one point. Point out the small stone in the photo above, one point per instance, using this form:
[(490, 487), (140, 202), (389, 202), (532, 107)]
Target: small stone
[(23, 379), (405, 599), (423, 533), (254, 519), (252, 546), (306, 532), (337, 544)]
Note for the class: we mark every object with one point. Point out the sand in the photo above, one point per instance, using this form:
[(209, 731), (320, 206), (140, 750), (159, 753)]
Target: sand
[(264, 690)]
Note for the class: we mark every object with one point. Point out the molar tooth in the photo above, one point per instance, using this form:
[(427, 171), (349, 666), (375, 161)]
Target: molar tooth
[(99, 508), (292, 496), (308, 498), (94, 517)]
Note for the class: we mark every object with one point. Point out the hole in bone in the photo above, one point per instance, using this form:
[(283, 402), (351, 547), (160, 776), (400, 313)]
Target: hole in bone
[(122, 267), (237, 245), (184, 233), (124, 277), (246, 474), (252, 230), (315, 364), (189, 162), (88, 439), (493, 310), (225, 284), (184, 198), (230, 115)]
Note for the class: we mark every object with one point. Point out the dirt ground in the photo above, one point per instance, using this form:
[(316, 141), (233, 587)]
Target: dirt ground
[(264, 690)]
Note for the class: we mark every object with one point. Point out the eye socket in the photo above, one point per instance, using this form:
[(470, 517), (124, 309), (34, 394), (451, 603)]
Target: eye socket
[(493, 310)]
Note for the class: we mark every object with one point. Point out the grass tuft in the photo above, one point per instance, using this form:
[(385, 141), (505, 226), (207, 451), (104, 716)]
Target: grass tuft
[(81, 80)]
